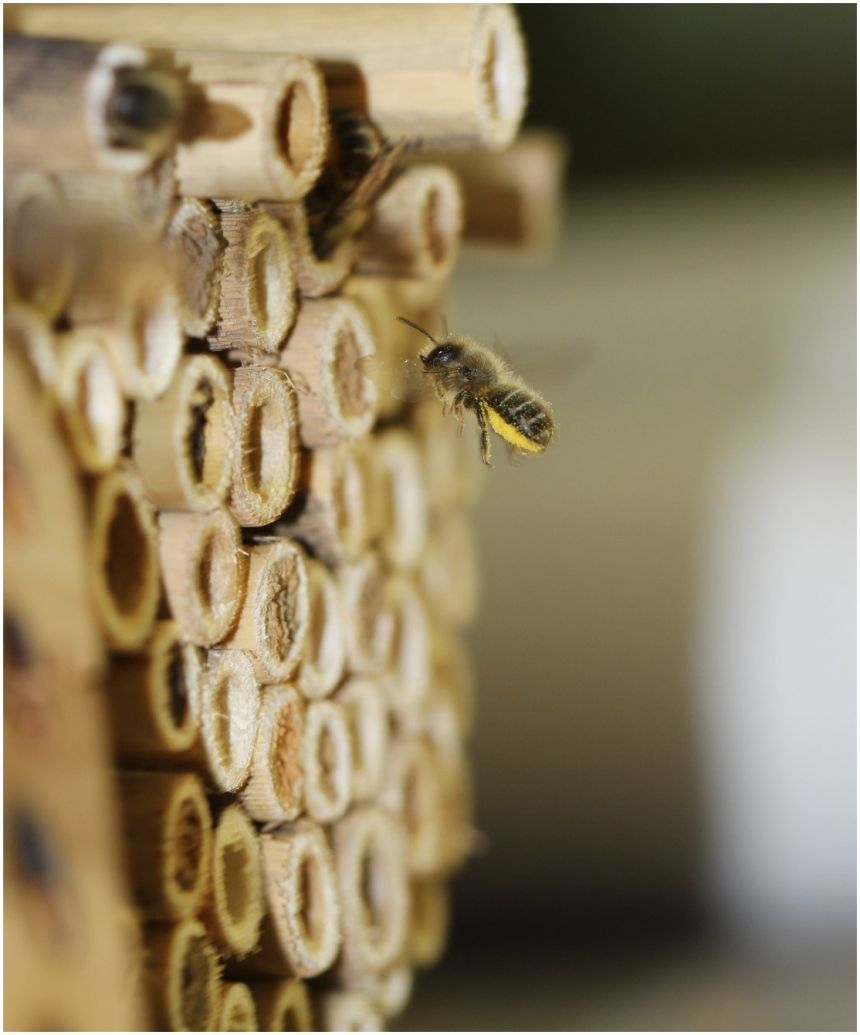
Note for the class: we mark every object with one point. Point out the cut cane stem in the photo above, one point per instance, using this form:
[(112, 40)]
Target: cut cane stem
[(194, 236), (26, 330), (238, 1011), (169, 834), (349, 1010), (124, 560), (183, 443), (409, 659), (368, 623), (275, 791), (282, 1005), (230, 706), (449, 570), (327, 761), (368, 723), (414, 792), (205, 572), (402, 497), (315, 276), (236, 909), (428, 922), (182, 977), (323, 657)]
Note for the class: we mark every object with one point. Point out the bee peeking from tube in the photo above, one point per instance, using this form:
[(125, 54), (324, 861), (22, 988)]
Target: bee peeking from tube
[(469, 376)]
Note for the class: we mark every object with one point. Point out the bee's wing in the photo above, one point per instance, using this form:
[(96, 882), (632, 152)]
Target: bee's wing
[(402, 379)]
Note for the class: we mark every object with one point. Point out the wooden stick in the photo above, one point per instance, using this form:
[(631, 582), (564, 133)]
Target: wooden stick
[(141, 203), (238, 1010), (274, 617), (402, 497), (275, 791), (183, 443), (41, 257), (183, 977), (315, 276), (428, 921), (368, 722), (204, 570), (229, 705), (449, 569), (415, 227), (282, 1005), (324, 651), (115, 108), (235, 912), (257, 303), (324, 356), (266, 458), (127, 291), (27, 331), (447, 75), (349, 1009), (90, 398), (368, 622), (124, 559), (153, 699), (370, 856), (413, 791), (194, 236), (169, 835), (261, 130), (327, 761), (329, 515), (409, 662)]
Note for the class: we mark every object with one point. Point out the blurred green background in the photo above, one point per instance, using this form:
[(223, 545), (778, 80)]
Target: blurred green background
[(665, 751)]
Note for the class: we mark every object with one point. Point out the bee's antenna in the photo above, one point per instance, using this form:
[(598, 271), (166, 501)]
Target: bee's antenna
[(420, 330)]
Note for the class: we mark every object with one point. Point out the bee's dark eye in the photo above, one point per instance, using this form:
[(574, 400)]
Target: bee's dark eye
[(442, 355)]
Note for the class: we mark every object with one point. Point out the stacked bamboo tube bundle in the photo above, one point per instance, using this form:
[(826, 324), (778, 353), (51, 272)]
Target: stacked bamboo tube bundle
[(276, 550)]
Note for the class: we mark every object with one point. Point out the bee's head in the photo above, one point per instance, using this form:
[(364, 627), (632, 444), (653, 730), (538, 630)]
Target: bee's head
[(441, 356)]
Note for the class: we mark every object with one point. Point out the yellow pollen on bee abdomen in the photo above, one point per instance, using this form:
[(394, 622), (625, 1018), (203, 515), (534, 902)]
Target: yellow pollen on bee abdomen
[(511, 433)]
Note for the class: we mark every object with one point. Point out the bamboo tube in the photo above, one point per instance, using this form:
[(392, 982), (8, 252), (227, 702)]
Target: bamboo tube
[(204, 570), (41, 256), (26, 330), (274, 617), (282, 1005), (301, 933), (90, 398), (115, 108), (389, 990), (139, 203), (329, 514), (124, 559), (194, 236), (370, 856), (169, 839), (327, 761), (316, 275), (368, 723), (453, 676), (229, 706), (448, 75), (323, 657), (415, 227), (183, 443), (235, 911), (414, 792), (409, 663), (368, 622), (183, 978), (274, 792), (238, 1010), (154, 699), (261, 131), (449, 570), (126, 291), (402, 497), (349, 1010), (324, 354), (266, 458), (428, 921), (257, 304)]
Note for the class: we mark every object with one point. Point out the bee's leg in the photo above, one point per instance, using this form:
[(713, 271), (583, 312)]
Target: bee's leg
[(457, 407), (485, 434)]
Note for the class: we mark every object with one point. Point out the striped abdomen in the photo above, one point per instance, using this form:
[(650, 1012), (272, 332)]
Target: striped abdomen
[(521, 418)]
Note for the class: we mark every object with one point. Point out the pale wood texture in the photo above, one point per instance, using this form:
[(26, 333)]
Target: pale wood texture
[(326, 761), (194, 236), (235, 910), (230, 707), (324, 651), (274, 792)]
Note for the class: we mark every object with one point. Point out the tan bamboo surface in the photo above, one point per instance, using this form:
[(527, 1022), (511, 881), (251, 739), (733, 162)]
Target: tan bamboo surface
[(235, 910), (113, 108), (238, 1010), (449, 75), (183, 443), (259, 545), (169, 838)]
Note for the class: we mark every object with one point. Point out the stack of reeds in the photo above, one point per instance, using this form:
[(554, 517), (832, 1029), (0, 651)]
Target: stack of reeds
[(279, 549)]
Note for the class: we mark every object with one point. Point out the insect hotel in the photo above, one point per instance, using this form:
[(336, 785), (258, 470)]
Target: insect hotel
[(238, 565)]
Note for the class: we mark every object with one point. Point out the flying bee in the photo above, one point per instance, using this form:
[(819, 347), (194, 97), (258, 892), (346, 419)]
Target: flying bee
[(469, 376)]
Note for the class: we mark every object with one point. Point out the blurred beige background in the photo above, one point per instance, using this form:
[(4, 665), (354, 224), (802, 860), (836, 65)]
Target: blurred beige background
[(665, 749)]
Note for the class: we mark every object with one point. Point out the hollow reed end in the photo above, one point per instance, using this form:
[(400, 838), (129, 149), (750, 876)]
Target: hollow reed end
[(183, 977), (238, 1010), (326, 761), (274, 792), (282, 1005), (235, 910), (230, 706), (194, 237)]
